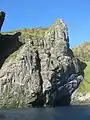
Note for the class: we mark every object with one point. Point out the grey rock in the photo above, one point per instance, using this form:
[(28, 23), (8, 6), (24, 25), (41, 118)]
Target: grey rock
[(20, 78), (41, 72)]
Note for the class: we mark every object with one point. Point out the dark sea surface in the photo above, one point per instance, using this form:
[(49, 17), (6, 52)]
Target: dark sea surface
[(74, 112)]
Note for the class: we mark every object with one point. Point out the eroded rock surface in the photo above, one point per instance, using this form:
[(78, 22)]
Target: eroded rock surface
[(42, 71)]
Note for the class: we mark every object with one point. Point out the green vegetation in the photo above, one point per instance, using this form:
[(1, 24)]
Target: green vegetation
[(83, 53), (28, 34), (85, 85)]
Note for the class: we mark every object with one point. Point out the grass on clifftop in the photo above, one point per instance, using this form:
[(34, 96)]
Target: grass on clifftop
[(21, 36), (28, 33)]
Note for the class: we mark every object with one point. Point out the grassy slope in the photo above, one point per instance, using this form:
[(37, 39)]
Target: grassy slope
[(83, 53), (85, 85)]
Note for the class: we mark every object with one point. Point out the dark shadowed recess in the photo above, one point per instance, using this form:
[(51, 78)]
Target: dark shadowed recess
[(39, 102), (66, 100), (83, 65), (8, 45)]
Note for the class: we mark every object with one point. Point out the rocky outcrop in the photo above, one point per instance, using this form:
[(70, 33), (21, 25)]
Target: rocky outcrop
[(42, 71), (2, 17), (80, 98)]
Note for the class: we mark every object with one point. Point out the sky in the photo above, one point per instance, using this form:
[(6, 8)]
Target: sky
[(43, 13)]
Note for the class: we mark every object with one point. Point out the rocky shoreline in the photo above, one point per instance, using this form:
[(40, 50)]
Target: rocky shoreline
[(80, 98)]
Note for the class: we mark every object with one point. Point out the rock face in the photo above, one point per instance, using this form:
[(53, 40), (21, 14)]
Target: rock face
[(43, 71), (2, 17)]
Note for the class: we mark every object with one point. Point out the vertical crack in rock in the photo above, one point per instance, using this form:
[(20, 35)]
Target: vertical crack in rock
[(39, 102)]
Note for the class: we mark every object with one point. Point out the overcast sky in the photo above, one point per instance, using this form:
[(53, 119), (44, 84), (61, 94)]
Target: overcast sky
[(43, 13)]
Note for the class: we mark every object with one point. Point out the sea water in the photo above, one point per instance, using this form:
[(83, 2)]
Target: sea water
[(74, 112)]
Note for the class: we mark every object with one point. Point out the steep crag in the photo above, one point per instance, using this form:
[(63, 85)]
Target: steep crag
[(37, 67)]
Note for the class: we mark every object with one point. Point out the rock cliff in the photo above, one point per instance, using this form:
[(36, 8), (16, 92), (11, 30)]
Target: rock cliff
[(38, 68)]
